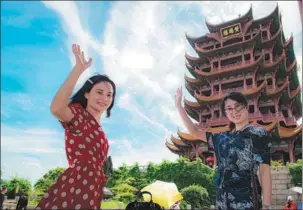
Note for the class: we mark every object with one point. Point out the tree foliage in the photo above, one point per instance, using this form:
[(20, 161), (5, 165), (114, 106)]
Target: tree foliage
[(295, 170), (15, 185), (44, 183), (196, 196)]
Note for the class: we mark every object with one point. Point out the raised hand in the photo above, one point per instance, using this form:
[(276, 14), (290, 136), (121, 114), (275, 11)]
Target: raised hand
[(81, 63), (178, 98)]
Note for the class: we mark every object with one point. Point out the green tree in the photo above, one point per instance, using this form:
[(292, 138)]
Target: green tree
[(196, 196), (17, 184), (44, 183), (295, 170)]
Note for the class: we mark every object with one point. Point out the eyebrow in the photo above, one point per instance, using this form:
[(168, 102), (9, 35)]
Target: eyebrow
[(103, 90)]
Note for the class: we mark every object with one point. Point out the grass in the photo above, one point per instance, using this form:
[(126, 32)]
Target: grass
[(112, 204)]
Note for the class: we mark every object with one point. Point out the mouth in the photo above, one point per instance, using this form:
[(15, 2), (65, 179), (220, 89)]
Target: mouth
[(102, 103), (237, 117)]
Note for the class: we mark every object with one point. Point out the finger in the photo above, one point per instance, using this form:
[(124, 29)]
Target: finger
[(82, 56), (78, 49), (90, 61)]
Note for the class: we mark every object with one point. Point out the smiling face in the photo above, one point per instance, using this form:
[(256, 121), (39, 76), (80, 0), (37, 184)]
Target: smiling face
[(100, 97), (236, 112)]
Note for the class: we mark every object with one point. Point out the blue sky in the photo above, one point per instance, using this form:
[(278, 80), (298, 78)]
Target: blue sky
[(141, 45)]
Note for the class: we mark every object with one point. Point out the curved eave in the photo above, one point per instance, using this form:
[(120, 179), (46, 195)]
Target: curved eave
[(218, 97), (278, 90), (194, 60), (289, 132), (178, 142), (269, 43), (250, 42), (288, 42), (192, 40), (218, 129), (213, 28), (291, 67), (172, 148), (192, 81), (275, 12), (191, 70), (233, 69), (268, 127), (275, 64), (192, 105), (187, 137), (294, 93), (189, 89)]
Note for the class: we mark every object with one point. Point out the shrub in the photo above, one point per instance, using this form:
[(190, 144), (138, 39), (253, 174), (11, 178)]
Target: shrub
[(196, 196), (295, 170)]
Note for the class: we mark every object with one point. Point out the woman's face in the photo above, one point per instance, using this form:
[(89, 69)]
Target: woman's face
[(100, 97), (235, 112)]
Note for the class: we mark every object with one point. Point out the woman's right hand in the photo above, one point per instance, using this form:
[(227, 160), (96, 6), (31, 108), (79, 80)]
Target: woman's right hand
[(81, 63), (178, 98)]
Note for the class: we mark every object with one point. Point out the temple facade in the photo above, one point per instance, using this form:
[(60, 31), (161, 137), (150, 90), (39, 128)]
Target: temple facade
[(252, 57)]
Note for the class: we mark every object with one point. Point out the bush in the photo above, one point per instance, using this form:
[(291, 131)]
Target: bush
[(295, 170), (276, 163), (196, 196)]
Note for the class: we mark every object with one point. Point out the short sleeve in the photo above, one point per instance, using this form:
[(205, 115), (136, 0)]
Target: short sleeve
[(210, 141), (74, 125), (262, 147)]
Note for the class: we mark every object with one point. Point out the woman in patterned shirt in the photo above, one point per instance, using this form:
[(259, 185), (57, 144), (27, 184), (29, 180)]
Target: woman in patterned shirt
[(240, 153)]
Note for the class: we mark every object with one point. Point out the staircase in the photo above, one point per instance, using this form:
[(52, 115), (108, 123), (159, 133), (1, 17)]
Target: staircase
[(281, 182)]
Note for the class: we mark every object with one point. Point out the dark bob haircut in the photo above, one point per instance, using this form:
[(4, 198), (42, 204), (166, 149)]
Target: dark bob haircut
[(235, 96), (86, 88)]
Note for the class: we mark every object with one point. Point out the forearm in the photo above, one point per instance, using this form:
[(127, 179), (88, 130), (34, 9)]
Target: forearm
[(63, 95), (265, 176), (190, 126)]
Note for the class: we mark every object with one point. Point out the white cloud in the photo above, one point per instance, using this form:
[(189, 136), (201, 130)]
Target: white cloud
[(129, 154), (31, 152)]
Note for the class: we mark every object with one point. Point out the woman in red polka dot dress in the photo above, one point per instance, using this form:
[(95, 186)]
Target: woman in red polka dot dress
[(81, 184)]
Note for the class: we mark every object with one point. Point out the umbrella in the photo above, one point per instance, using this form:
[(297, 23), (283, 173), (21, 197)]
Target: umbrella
[(296, 189), (163, 193)]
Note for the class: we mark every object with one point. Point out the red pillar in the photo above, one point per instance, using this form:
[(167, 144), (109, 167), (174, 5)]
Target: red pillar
[(300, 8)]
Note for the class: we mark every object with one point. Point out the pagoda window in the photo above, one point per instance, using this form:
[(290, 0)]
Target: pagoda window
[(249, 81), (232, 41), (216, 64), (257, 57), (269, 81), (247, 37), (247, 57), (251, 109), (267, 57), (208, 69), (285, 113), (264, 35), (217, 114), (231, 61)]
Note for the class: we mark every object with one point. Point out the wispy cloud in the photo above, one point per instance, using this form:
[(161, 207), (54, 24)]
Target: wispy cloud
[(30, 152)]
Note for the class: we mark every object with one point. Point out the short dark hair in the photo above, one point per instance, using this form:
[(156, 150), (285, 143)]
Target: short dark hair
[(79, 96)]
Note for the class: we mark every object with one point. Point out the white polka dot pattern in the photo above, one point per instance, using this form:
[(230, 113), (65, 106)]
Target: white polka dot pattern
[(79, 185)]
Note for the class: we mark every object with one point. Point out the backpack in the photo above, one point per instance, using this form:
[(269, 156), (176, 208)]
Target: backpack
[(143, 205)]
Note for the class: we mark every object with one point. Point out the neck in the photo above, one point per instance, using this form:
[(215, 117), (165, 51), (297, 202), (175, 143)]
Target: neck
[(96, 114), (241, 125)]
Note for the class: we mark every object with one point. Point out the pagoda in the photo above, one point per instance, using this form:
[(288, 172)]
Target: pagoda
[(252, 57)]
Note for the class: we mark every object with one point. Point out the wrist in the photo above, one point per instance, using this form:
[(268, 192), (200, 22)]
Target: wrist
[(77, 69)]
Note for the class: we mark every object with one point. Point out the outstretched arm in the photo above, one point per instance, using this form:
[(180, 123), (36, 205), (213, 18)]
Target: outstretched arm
[(191, 127), (59, 105)]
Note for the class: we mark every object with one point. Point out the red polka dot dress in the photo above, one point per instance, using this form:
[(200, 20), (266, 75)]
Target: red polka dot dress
[(81, 184)]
